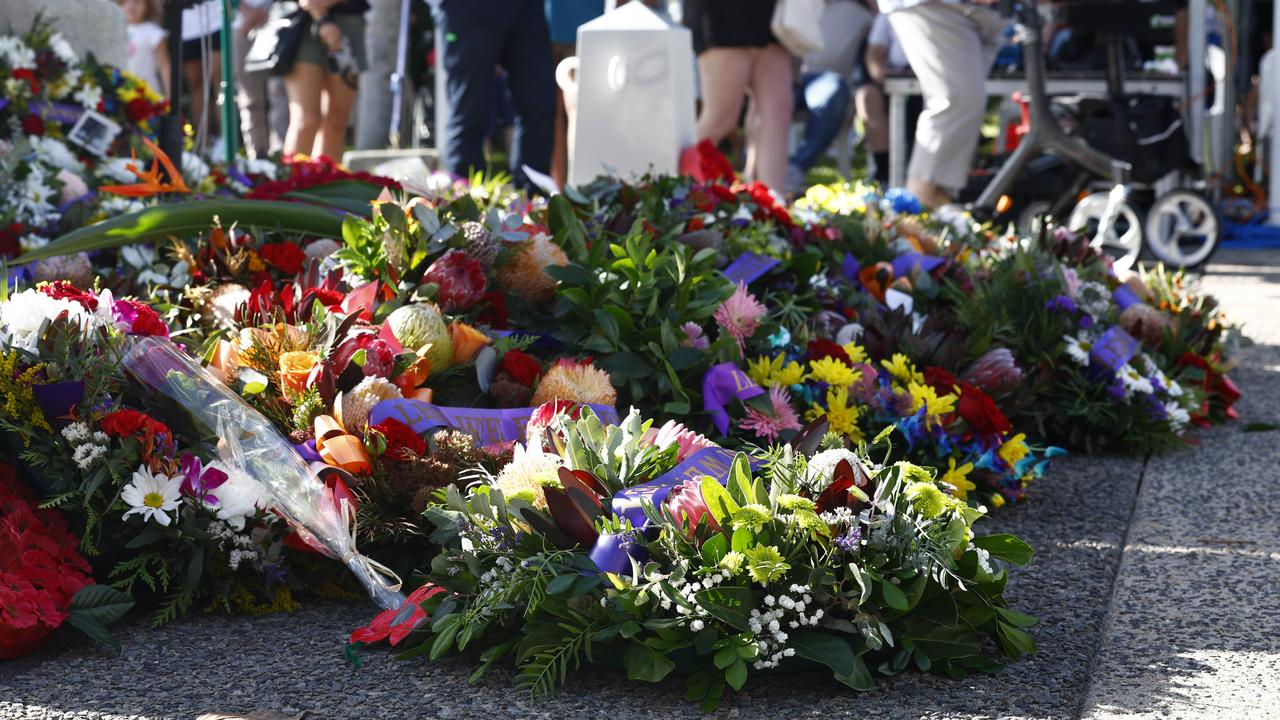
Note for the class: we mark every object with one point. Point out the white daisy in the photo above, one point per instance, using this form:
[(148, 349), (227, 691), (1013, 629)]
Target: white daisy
[(1133, 381), (1078, 348), (240, 497), (152, 496), (1178, 416), (89, 96)]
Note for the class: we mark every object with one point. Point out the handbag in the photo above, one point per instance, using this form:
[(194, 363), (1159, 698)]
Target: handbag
[(798, 25), (275, 43)]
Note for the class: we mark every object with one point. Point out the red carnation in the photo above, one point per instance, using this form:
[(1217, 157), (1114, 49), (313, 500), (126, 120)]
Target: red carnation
[(820, 348), (980, 411), (402, 442), (285, 257), (522, 367), (33, 125), (141, 318), (63, 290), (461, 280), (131, 423)]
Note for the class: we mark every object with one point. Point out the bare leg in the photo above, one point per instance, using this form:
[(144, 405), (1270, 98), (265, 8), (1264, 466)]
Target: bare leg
[(725, 73), (303, 84), (875, 117), (773, 98), (339, 98)]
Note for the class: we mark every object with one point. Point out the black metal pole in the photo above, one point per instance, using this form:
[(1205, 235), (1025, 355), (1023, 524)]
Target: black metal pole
[(171, 124)]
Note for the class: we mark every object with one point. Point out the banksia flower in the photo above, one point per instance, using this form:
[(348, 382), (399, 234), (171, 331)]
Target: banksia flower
[(479, 243), (353, 407), (576, 383)]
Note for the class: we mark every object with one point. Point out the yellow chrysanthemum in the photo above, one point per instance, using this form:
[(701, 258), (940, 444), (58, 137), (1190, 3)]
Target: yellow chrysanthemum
[(843, 417), (763, 368), (997, 500), (855, 352), (791, 374), (902, 370), (833, 372), (1014, 449), (924, 396), (958, 477)]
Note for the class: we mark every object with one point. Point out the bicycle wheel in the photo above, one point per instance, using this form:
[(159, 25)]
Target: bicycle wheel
[(1124, 240), (1182, 229)]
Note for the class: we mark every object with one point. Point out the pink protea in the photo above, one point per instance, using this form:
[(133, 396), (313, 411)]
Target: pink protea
[(673, 433), (740, 315), (461, 280), (686, 505), (995, 372), (694, 337), (771, 424)]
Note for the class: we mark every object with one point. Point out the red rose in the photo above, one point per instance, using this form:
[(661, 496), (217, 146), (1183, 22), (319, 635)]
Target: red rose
[(285, 257), (980, 411), (63, 290), (820, 348), (10, 235), (939, 379), (33, 125), (138, 109), (522, 367), (402, 442)]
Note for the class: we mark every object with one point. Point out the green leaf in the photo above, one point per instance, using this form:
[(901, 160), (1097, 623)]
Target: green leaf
[(705, 639), (1015, 642), (740, 480), (893, 596), (736, 674), (645, 663), (743, 540), (444, 638), (187, 219), (1014, 617), (731, 605), (561, 584), (94, 630), (826, 648), (714, 550), (725, 656), (1006, 547), (718, 501), (102, 603)]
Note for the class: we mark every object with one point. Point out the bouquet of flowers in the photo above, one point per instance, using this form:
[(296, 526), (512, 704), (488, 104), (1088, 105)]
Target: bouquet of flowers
[(608, 548)]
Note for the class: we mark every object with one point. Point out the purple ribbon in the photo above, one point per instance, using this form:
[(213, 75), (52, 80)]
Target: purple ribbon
[(851, 267), (722, 384), (487, 426), (613, 553), (1115, 348), (1125, 298), (907, 263), (308, 451), (749, 267), (61, 112)]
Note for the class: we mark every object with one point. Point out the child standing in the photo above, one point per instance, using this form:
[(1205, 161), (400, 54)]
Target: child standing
[(147, 53)]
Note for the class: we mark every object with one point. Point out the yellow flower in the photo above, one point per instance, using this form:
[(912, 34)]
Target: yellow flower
[(924, 396), (855, 352), (997, 500), (15, 388), (902, 370), (833, 372), (958, 477), (843, 418), (791, 374), (255, 262), (762, 369), (1014, 449)]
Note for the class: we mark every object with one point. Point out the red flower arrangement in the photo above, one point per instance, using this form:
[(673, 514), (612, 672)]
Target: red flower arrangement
[(705, 162), (63, 290), (309, 172), (40, 569)]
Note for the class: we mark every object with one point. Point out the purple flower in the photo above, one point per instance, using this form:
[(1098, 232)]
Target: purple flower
[(848, 542), (198, 480), (1115, 391), (1061, 303), (1085, 322)]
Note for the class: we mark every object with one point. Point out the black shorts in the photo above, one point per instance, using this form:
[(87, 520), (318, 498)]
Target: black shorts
[(191, 49)]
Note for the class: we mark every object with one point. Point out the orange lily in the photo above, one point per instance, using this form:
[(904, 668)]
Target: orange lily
[(150, 180)]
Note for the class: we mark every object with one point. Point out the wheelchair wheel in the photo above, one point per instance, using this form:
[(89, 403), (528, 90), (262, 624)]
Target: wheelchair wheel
[(1182, 229), (1032, 218), (1124, 241)]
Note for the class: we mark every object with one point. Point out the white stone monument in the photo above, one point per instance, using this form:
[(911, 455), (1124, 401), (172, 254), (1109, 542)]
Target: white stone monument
[(633, 92), (91, 26)]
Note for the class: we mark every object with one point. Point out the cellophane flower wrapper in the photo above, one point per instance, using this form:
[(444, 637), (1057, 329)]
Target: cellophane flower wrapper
[(247, 442)]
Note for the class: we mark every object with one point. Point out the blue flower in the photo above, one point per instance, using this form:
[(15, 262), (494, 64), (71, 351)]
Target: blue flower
[(902, 200), (780, 338), (1061, 303)]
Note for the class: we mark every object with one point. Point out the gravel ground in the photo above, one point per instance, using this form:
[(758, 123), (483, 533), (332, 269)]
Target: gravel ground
[(1077, 520)]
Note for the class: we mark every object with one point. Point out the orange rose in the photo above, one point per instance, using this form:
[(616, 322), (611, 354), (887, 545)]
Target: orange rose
[(295, 367), (467, 342)]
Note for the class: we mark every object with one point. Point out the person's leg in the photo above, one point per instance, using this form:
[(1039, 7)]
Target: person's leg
[(339, 99), (193, 82), (771, 94), (531, 80), (251, 99), (827, 99), (470, 56), (870, 103), (277, 114), (560, 149), (724, 74), (946, 49), (304, 85), (215, 86)]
